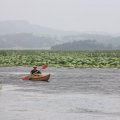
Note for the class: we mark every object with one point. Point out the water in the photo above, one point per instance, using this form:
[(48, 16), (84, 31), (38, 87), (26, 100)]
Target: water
[(74, 94)]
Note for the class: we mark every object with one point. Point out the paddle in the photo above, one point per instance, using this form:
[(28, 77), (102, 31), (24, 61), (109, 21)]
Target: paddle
[(27, 77), (44, 67)]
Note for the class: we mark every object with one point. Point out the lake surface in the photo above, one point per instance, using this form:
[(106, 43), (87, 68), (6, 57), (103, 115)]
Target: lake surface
[(71, 94)]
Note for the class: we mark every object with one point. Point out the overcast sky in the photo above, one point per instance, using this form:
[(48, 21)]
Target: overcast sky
[(72, 15)]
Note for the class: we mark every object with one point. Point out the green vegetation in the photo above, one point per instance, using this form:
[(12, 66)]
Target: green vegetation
[(81, 59)]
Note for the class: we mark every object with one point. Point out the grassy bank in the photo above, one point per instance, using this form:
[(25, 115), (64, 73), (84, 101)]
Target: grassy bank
[(81, 59)]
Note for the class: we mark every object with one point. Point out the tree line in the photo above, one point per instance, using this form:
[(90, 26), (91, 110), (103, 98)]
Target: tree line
[(82, 45)]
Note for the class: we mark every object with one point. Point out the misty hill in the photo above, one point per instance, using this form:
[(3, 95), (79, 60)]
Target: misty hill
[(24, 40), (82, 45), (102, 38), (22, 34), (20, 26)]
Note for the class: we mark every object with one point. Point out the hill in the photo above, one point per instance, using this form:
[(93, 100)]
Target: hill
[(21, 26), (24, 41), (22, 34), (83, 45)]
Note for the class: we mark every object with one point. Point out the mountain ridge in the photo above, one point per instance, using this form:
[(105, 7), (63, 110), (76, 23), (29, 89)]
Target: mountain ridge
[(14, 31)]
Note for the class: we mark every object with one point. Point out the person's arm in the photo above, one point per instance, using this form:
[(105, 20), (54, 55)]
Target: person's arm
[(31, 72), (39, 71)]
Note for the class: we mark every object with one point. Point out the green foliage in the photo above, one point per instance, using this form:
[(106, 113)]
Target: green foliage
[(76, 59)]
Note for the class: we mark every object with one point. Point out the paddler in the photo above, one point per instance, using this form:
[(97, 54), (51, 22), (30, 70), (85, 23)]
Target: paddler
[(35, 71)]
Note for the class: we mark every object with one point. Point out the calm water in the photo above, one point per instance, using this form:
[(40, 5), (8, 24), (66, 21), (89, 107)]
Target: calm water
[(74, 94)]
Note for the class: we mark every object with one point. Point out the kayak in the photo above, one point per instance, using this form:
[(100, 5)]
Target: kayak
[(39, 77)]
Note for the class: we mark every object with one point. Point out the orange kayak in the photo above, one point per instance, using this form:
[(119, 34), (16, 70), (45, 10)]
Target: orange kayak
[(40, 77)]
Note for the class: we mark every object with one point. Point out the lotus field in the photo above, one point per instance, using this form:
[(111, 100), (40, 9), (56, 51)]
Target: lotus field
[(76, 59)]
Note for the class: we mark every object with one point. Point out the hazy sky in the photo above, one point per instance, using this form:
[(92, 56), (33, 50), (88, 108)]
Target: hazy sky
[(72, 15)]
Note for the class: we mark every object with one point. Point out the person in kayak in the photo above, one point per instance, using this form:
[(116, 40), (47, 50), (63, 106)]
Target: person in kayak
[(35, 71)]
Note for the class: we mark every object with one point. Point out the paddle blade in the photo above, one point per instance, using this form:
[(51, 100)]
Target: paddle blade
[(25, 78), (44, 66)]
